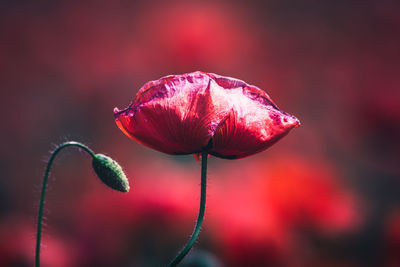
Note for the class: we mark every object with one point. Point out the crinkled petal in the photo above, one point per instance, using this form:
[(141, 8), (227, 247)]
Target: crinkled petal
[(253, 124), (175, 115), (239, 137)]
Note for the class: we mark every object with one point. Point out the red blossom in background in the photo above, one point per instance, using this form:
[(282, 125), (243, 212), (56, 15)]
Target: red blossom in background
[(185, 114), (257, 219), (17, 242)]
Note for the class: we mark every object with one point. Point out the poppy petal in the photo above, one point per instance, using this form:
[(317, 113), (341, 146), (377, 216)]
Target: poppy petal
[(174, 115), (237, 137), (253, 124)]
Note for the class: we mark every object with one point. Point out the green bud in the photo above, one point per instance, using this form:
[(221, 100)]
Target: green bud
[(110, 173)]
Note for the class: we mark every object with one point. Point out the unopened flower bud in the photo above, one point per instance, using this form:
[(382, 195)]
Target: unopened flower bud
[(110, 173)]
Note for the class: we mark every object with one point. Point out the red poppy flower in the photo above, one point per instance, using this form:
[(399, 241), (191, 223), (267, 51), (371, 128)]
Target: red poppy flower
[(189, 113)]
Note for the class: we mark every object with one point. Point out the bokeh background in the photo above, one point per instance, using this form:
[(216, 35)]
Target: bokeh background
[(328, 194)]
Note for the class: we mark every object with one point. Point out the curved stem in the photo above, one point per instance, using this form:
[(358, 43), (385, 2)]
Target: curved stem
[(196, 231), (43, 192)]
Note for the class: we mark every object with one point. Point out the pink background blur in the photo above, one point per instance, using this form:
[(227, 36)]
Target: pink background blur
[(328, 194)]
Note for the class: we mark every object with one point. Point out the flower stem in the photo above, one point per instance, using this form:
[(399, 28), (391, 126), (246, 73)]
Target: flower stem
[(43, 193), (196, 231)]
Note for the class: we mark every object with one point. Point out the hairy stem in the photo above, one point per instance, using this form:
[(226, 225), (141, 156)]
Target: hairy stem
[(196, 231), (43, 192)]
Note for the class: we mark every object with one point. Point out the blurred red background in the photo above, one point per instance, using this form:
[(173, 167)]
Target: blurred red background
[(328, 194)]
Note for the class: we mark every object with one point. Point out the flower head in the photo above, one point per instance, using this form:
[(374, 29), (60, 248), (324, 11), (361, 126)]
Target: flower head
[(193, 112)]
